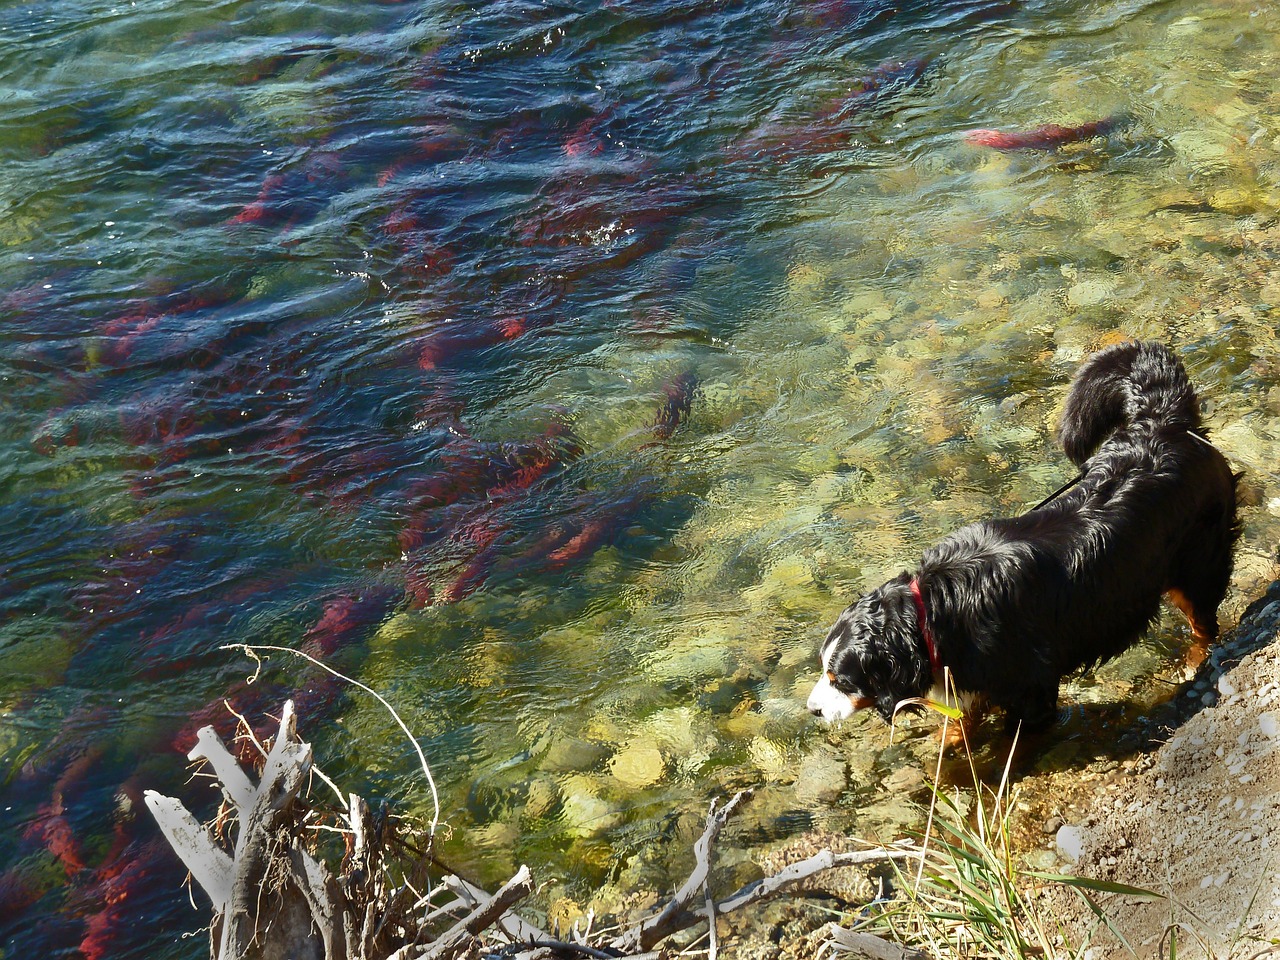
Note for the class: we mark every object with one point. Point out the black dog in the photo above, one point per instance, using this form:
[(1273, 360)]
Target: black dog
[(1011, 606)]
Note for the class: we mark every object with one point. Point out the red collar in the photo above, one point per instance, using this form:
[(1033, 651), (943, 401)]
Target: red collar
[(925, 632)]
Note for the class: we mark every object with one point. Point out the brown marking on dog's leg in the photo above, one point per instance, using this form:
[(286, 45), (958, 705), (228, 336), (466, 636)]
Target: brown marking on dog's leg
[(1201, 635), (957, 733), (951, 735), (1199, 630)]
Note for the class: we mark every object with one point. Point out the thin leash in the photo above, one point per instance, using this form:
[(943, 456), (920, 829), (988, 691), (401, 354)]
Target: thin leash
[(1059, 492)]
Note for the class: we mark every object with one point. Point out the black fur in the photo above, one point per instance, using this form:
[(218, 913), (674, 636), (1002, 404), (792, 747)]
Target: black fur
[(1016, 604)]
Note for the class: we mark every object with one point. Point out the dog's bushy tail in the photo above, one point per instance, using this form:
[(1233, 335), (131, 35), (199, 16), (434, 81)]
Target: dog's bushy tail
[(1123, 385)]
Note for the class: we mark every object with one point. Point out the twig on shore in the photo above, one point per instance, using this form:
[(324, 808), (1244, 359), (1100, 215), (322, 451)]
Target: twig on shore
[(454, 940), (677, 915), (869, 945), (667, 921)]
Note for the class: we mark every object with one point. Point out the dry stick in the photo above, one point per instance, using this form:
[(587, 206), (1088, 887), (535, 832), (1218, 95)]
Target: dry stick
[(454, 940), (244, 724), (561, 946), (801, 870), (869, 945), (251, 652), (949, 687), (676, 915), (285, 769), (712, 946), (545, 950), (647, 933)]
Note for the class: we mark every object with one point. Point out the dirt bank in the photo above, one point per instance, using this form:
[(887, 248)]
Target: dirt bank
[(1197, 819)]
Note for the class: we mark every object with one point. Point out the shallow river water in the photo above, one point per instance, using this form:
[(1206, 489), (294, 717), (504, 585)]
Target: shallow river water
[(561, 370)]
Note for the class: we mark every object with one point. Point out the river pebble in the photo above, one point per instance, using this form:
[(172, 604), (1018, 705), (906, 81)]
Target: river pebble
[(1070, 841), (823, 776), (583, 812)]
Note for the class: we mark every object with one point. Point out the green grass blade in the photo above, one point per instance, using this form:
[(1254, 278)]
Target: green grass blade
[(1098, 886), (1102, 915)]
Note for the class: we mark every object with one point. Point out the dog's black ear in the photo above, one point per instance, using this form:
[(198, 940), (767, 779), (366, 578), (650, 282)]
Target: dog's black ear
[(904, 667)]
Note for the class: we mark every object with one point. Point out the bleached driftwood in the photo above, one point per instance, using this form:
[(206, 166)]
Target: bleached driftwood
[(270, 897), (456, 938), (869, 945), (647, 933), (679, 914), (273, 900)]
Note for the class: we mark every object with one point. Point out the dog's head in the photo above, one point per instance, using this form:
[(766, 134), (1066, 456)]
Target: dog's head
[(872, 656)]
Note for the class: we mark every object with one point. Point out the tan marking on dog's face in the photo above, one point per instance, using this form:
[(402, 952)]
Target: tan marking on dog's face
[(828, 702)]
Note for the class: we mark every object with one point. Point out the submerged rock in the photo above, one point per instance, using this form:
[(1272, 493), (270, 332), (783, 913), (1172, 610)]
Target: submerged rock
[(822, 777), (583, 812), (638, 765)]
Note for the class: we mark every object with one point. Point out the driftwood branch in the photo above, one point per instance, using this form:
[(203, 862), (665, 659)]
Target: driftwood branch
[(287, 766), (209, 864), (669, 919), (869, 945), (275, 898), (794, 873), (513, 925), (678, 914), (269, 883), (454, 940)]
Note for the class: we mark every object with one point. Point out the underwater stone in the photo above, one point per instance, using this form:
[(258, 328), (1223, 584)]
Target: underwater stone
[(638, 765), (583, 812), (570, 753), (542, 798), (770, 758), (823, 776), (1090, 292)]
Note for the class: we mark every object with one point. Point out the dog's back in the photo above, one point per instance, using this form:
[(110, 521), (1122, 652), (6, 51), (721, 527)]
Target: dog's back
[(1132, 423), (1076, 581)]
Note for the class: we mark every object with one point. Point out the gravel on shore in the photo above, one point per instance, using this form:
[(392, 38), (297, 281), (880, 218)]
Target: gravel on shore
[(1197, 819)]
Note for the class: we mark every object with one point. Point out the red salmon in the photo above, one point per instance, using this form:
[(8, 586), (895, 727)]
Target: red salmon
[(1046, 137)]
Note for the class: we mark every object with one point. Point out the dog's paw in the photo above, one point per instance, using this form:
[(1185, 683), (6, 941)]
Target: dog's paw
[(1194, 658)]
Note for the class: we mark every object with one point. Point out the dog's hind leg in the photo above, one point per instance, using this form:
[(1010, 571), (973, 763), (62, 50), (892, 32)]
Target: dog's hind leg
[(1201, 577), (1203, 620), (1204, 625), (1200, 586)]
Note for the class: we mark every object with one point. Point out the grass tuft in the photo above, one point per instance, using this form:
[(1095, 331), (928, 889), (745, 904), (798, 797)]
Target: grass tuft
[(970, 897)]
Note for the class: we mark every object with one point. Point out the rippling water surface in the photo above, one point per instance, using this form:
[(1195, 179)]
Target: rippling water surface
[(561, 370)]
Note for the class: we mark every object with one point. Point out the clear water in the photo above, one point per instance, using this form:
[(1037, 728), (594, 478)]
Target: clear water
[(561, 371)]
